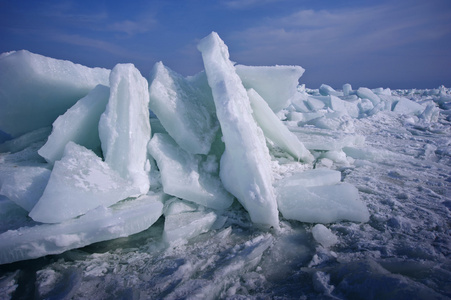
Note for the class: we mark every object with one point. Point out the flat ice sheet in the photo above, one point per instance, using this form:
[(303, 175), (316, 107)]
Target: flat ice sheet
[(100, 224)]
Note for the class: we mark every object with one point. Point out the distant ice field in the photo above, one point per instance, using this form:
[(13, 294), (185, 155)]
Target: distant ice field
[(235, 183)]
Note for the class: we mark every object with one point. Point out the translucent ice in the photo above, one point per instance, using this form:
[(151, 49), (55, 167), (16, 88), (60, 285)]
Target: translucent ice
[(124, 127), (276, 84), (408, 107), (179, 228), (121, 220), (183, 174), (275, 130), (38, 89), (179, 104), (78, 124), (366, 93), (324, 235), (322, 204), (175, 206), (79, 182), (314, 177), (326, 90), (24, 185), (350, 108), (245, 167)]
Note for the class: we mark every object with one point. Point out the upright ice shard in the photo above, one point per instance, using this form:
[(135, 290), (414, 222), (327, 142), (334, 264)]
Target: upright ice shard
[(245, 167), (275, 130), (124, 127), (185, 109), (78, 124), (35, 90)]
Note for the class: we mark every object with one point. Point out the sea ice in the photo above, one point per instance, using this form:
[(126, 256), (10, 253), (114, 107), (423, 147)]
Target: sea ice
[(79, 182), (408, 107), (24, 141), (78, 124), (35, 90), (175, 206), (245, 167), (327, 90), (124, 127), (276, 84), (275, 130), (24, 185), (322, 204), (179, 228), (183, 174), (350, 108), (366, 93), (182, 107), (324, 235), (314, 177), (100, 224)]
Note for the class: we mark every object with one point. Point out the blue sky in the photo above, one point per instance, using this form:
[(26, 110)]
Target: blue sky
[(396, 44)]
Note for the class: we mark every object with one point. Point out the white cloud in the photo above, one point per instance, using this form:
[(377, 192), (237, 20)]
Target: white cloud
[(246, 4), (344, 32), (129, 27)]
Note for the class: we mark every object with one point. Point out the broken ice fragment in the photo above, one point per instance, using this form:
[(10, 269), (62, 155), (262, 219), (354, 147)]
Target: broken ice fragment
[(324, 235), (245, 167), (314, 177), (181, 107), (35, 90), (322, 204), (79, 182), (121, 220), (275, 130), (276, 84), (24, 185), (183, 176), (78, 124), (366, 93), (124, 127), (408, 107), (179, 228)]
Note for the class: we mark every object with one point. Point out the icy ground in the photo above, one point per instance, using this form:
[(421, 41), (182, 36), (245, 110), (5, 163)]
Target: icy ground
[(403, 175)]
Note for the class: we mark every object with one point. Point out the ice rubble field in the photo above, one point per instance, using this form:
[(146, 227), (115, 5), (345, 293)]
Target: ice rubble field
[(234, 183)]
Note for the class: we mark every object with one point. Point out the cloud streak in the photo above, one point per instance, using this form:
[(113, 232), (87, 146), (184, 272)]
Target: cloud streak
[(342, 37)]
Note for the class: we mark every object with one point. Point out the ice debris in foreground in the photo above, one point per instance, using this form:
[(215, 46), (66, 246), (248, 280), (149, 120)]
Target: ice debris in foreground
[(241, 142)]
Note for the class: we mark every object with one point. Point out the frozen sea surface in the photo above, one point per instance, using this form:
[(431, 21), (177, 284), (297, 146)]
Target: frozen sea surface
[(403, 174), (339, 194)]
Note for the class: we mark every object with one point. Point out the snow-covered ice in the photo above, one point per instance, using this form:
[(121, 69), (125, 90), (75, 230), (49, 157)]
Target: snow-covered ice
[(79, 182), (364, 215)]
